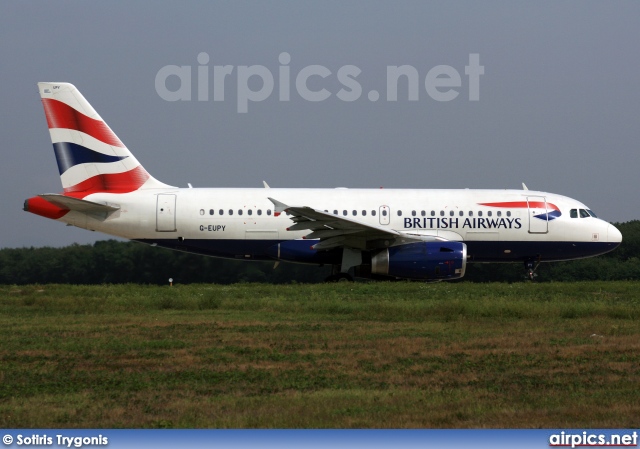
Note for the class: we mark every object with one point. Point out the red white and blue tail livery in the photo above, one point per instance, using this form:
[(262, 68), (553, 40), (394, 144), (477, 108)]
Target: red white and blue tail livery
[(91, 158), (377, 233)]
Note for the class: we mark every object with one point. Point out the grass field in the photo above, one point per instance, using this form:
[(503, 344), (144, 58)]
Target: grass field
[(377, 355)]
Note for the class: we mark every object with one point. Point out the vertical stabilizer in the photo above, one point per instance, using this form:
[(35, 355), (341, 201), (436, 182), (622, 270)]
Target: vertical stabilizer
[(91, 158)]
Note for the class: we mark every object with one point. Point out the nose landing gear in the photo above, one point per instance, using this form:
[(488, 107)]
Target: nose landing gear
[(530, 267)]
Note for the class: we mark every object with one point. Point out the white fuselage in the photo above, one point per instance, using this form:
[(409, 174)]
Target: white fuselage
[(224, 222)]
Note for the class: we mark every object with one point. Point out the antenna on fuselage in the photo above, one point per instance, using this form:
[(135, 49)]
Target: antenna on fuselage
[(524, 186), (266, 186)]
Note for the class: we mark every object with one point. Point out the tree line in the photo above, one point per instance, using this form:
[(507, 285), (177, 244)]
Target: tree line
[(116, 262)]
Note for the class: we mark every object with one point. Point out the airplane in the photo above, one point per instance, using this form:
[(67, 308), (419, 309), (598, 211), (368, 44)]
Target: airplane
[(427, 235)]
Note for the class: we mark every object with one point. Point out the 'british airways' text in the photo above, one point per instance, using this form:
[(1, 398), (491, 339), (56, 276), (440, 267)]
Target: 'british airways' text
[(457, 223)]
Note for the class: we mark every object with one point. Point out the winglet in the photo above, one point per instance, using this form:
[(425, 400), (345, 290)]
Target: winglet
[(279, 207)]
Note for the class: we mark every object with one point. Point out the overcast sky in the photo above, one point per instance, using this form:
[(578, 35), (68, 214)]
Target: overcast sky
[(557, 109)]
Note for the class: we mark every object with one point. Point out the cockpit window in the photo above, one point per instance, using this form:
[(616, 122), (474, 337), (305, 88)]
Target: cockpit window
[(574, 213), (584, 213), (591, 213)]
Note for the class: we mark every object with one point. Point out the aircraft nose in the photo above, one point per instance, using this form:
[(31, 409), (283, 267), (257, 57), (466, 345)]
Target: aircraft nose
[(613, 235)]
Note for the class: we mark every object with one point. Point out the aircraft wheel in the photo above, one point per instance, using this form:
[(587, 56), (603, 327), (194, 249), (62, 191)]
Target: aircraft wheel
[(339, 277), (344, 277), (531, 269)]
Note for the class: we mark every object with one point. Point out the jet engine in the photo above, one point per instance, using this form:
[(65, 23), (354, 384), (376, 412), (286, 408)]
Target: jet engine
[(423, 260)]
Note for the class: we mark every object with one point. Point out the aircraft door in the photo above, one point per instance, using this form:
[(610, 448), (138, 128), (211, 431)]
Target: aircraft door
[(166, 213), (538, 215), (385, 215)]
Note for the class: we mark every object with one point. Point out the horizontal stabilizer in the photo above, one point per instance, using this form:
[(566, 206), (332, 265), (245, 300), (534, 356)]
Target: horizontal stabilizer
[(78, 205)]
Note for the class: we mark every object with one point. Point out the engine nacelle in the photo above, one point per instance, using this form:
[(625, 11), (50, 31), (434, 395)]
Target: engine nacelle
[(423, 260)]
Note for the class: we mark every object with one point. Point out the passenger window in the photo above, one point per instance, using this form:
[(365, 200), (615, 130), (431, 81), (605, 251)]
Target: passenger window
[(573, 213), (508, 213), (210, 211), (249, 212), (364, 213), (499, 213), (451, 213), (221, 212), (373, 212), (489, 214), (399, 213), (239, 211), (355, 212), (384, 213), (423, 213), (479, 213), (584, 213), (201, 211), (230, 211), (471, 213), (413, 213), (268, 211), (433, 213), (442, 213), (335, 212), (259, 211)]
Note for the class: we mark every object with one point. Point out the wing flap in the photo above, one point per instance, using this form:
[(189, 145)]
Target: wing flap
[(329, 243), (302, 225), (325, 234)]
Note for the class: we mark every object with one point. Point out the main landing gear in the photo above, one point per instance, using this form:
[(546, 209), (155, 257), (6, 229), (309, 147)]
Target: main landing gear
[(351, 258), (530, 267), (338, 276)]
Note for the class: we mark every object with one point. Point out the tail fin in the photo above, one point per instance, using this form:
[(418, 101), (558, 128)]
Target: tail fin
[(90, 156)]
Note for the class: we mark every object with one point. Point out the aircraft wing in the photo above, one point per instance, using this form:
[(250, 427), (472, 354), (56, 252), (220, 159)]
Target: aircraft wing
[(335, 231)]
